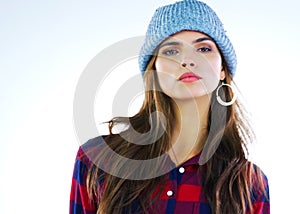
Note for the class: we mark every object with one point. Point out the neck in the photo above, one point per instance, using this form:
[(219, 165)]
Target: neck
[(190, 128)]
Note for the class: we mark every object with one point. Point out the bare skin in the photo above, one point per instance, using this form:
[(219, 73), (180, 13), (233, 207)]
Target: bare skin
[(189, 68)]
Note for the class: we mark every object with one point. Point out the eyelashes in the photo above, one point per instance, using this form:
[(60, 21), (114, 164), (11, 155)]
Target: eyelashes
[(204, 49), (170, 52), (176, 51)]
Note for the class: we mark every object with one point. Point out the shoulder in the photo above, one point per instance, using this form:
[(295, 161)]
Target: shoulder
[(85, 157), (259, 184), (259, 190), (80, 201), (95, 152), (90, 149), (257, 174)]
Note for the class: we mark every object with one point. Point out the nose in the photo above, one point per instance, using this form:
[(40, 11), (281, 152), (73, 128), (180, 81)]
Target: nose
[(188, 63)]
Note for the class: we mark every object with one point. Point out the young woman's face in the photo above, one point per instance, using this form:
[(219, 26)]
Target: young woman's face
[(188, 65)]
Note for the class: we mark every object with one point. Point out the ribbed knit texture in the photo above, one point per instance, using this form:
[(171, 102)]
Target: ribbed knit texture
[(186, 15)]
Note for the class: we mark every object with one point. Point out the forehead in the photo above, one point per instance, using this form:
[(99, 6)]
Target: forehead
[(186, 36)]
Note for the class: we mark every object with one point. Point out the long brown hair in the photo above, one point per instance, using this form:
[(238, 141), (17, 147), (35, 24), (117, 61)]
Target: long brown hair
[(229, 182)]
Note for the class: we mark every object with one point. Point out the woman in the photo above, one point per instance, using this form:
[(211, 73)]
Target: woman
[(184, 151)]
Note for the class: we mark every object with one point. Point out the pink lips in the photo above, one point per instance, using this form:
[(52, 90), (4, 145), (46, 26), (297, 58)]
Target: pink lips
[(189, 77)]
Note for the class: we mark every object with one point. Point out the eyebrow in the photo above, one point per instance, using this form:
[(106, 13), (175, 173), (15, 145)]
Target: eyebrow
[(169, 44), (201, 39)]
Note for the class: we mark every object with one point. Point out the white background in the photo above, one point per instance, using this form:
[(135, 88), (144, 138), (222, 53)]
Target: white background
[(45, 46)]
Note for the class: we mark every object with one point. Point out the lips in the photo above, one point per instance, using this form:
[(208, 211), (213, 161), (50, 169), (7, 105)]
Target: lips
[(189, 77)]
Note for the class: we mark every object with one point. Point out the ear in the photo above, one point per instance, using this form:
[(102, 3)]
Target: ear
[(222, 74)]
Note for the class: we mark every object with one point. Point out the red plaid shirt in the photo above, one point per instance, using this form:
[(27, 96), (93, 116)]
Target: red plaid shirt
[(182, 193)]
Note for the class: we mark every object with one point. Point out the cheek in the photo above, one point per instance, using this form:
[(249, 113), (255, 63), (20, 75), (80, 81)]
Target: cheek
[(166, 66), (215, 64), (166, 72), (211, 82), (211, 76), (166, 82)]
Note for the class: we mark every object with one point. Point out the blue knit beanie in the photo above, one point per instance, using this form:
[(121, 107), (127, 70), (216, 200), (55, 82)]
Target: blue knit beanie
[(186, 15)]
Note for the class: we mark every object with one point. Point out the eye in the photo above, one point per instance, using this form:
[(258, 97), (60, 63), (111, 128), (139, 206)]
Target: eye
[(203, 49), (170, 52)]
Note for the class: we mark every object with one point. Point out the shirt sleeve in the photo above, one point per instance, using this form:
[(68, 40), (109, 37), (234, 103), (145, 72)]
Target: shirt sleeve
[(80, 203)]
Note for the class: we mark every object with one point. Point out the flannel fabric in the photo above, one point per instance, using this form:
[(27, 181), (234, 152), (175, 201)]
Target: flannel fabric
[(181, 194)]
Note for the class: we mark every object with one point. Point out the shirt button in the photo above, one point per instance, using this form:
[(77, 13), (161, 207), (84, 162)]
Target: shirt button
[(170, 193), (181, 170)]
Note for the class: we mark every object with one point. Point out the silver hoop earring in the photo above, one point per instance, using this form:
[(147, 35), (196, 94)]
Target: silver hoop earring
[(219, 98)]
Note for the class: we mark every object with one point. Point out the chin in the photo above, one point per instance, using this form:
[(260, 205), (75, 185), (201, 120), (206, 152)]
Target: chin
[(198, 95)]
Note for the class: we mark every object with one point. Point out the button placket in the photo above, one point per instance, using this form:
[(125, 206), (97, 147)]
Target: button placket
[(172, 186)]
